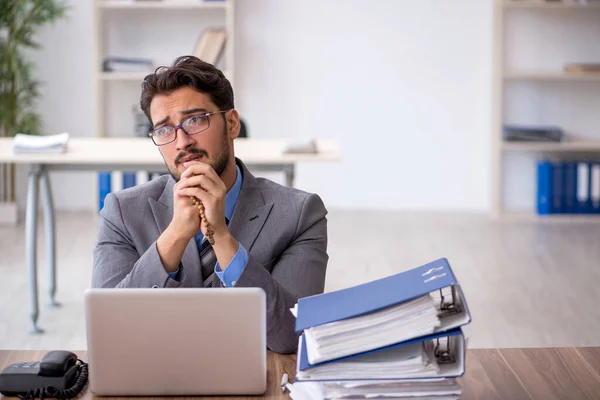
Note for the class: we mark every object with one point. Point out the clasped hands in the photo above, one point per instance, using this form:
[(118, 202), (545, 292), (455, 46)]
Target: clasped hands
[(202, 182)]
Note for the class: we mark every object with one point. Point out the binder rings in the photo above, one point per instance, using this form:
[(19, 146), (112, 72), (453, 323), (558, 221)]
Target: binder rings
[(446, 354), (316, 315)]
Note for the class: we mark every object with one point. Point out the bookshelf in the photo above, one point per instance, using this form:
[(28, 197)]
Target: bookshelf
[(159, 30), (155, 30), (532, 42)]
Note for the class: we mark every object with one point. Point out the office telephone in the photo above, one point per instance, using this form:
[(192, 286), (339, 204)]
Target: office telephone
[(60, 375)]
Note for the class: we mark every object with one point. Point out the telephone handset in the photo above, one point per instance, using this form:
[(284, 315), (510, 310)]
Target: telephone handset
[(60, 375)]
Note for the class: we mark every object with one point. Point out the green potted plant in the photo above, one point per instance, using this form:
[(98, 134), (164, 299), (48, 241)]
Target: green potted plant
[(20, 20)]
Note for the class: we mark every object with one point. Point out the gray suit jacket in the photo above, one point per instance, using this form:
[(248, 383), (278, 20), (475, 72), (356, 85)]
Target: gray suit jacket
[(283, 229)]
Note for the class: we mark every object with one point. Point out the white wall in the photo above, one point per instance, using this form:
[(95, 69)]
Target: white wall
[(65, 67), (405, 85)]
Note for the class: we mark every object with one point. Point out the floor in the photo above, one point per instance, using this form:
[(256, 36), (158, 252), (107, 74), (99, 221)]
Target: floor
[(528, 283)]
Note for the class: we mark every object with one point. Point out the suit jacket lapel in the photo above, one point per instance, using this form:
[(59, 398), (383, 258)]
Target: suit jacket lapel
[(251, 211), (162, 209), (248, 217)]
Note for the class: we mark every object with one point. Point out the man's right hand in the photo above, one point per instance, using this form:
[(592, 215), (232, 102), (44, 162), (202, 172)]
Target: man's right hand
[(186, 217), (183, 227)]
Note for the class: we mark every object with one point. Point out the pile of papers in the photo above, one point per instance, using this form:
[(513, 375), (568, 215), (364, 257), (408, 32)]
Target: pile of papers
[(371, 331), (446, 389), (398, 336), (415, 359), (40, 144)]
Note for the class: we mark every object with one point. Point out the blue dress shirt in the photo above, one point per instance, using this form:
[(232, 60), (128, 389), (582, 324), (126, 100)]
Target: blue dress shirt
[(237, 264)]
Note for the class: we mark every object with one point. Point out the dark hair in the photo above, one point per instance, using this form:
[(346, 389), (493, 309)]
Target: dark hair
[(187, 71)]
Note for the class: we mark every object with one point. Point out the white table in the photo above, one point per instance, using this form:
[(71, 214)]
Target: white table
[(125, 154)]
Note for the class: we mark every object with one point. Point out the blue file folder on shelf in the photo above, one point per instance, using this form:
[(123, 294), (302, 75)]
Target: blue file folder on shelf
[(544, 187), (415, 303), (568, 187), (104, 187), (440, 355)]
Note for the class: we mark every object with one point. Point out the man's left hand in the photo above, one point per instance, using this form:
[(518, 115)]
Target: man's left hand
[(201, 181)]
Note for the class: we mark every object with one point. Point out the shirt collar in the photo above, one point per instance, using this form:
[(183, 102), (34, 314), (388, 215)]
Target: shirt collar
[(232, 195)]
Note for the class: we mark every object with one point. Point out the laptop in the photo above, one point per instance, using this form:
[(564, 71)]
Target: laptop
[(176, 341)]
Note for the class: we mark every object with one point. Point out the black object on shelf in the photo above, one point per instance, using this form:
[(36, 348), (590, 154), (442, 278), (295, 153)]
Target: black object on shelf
[(522, 133)]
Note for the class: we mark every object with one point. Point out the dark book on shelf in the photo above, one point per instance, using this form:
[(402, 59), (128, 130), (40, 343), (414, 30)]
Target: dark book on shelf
[(124, 64), (522, 133)]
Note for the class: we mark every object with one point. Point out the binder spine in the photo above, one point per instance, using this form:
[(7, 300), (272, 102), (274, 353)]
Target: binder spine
[(544, 187), (557, 206)]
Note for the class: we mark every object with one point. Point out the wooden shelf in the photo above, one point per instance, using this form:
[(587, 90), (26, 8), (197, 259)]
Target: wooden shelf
[(123, 76), (565, 147), (132, 76), (533, 217), (162, 4), (549, 75), (550, 5)]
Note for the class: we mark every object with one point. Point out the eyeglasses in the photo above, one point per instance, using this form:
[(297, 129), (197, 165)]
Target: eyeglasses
[(191, 126)]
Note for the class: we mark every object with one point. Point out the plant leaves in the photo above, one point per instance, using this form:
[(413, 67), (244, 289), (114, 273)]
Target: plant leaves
[(20, 21)]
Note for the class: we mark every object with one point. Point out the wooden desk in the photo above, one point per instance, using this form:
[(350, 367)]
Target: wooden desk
[(277, 365), (492, 374), (126, 154)]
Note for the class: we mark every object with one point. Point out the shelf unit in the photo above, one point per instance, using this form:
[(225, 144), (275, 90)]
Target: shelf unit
[(511, 79), (524, 4), (162, 13), (541, 75), (565, 148)]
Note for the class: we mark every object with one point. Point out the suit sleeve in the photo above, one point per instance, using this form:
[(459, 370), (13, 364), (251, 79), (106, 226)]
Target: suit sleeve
[(117, 262), (299, 272)]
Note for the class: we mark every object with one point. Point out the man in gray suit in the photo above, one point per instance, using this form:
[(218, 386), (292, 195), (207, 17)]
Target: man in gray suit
[(265, 235)]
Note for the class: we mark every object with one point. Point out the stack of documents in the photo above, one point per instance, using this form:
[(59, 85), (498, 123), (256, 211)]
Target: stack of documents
[(439, 389), (40, 144), (391, 325), (401, 334)]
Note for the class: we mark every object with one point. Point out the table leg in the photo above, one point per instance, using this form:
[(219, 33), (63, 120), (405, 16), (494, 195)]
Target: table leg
[(31, 244), (289, 174), (49, 226)]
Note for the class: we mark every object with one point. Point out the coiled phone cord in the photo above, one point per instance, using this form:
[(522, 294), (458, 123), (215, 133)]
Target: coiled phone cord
[(51, 392)]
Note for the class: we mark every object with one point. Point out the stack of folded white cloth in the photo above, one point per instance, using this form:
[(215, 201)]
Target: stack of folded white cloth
[(40, 144)]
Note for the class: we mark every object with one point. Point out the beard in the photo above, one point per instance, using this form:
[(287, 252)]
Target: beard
[(219, 162)]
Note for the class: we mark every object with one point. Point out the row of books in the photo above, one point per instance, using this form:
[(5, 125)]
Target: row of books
[(568, 187), (395, 337)]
